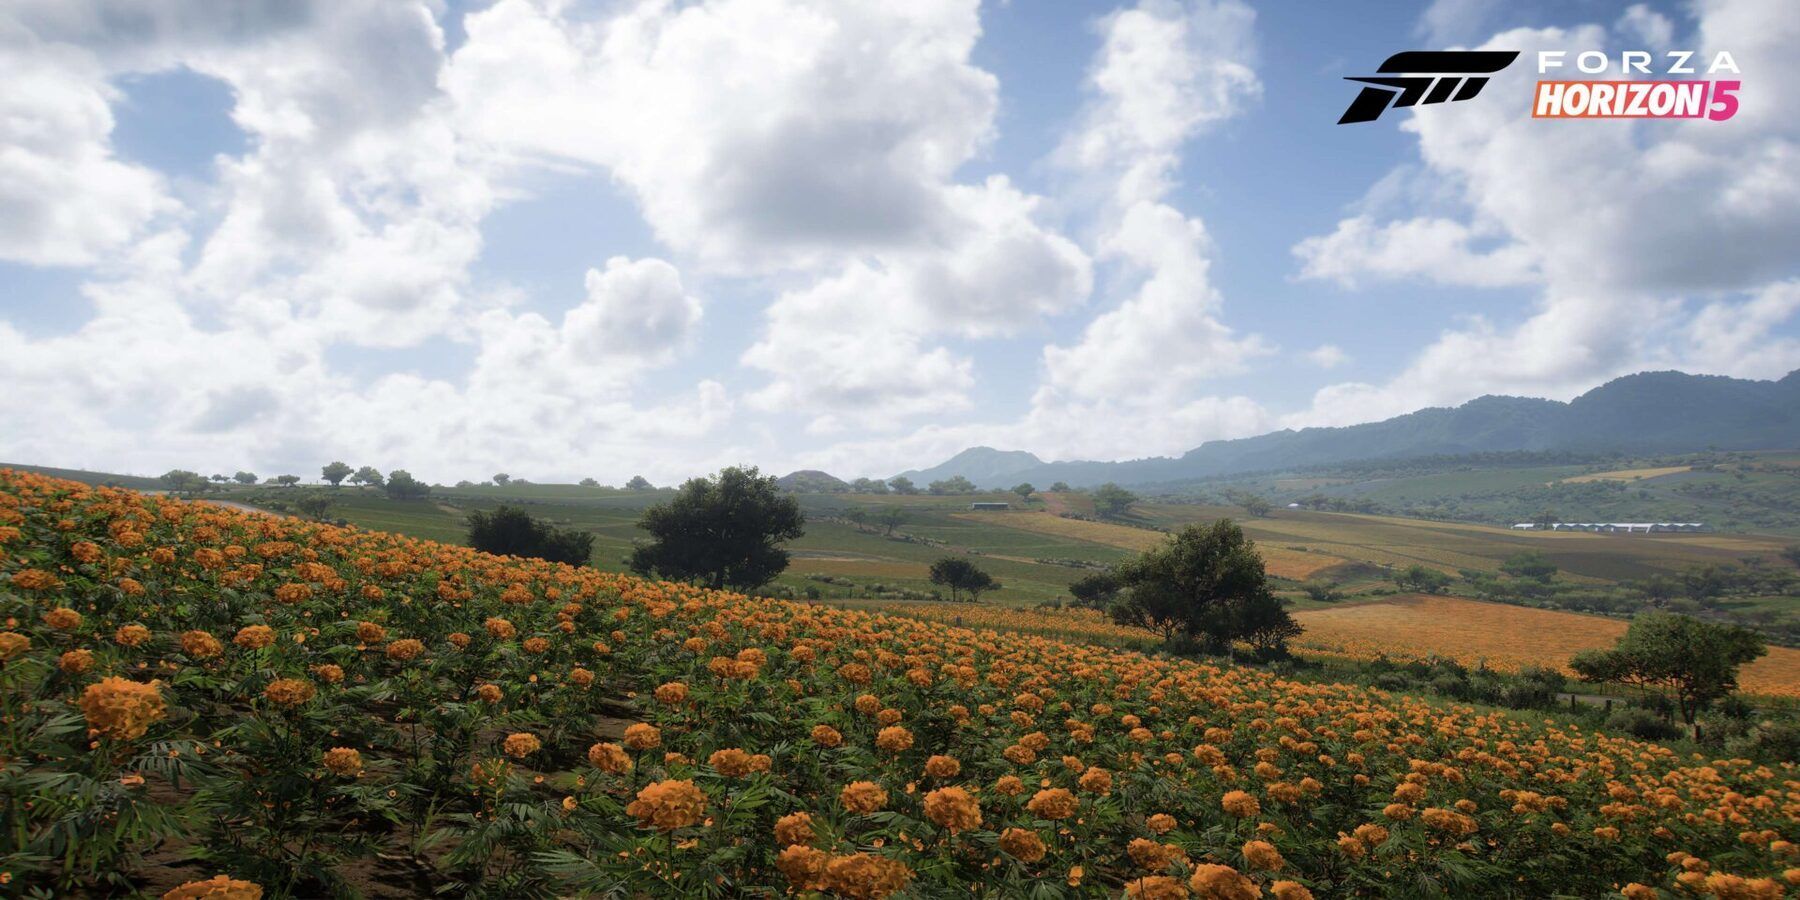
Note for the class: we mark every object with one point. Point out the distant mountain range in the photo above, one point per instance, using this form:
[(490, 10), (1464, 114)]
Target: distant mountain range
[(1644, 414)]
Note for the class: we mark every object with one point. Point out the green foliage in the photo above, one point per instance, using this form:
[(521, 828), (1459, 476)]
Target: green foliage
[(1423, 579), (401, 485), (903, 485), (720, 532), (1205, 583), (336, 472), (1695, 661), (962, 577), (368, 475), (510, 531), (1097, 590), (502, 479), (1111, 500), (955, 484), (1024, 490), (287, 480), (1322, 591), (244, 477), (314, 505), (639, 483), (1529, 564), (183, 481), (869, 486), (1060, 487)]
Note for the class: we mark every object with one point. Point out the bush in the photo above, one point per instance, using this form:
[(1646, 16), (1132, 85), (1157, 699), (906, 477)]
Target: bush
[(510, 531), (1641, 723)]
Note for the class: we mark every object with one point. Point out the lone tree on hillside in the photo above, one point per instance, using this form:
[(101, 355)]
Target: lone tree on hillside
[(1061, 487), (1098, 590), (183, 481), (287, 480), (1207, 583), (502, 478), (588, 482), (1697, 661), (1024, 490), (336, 473), (1110, 500), (1422, 579), (639, 483), (244, 478), (891, 518), (961, 576), (721, 532), (402, 486), (903, 485), (510, 531), (368, 475)]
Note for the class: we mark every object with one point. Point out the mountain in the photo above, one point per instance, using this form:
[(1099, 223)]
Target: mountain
[(1647, 413), (812, 481)]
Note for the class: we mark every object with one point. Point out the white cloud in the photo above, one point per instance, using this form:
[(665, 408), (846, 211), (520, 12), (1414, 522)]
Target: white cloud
[(1621, 226), (1327, 356), (633, 310)]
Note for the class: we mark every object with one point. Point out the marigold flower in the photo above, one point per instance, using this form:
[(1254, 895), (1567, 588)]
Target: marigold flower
[(1153, 856), (731, 762), (132, 635), (61, 618), (942, 767), (1289, 890), (581, 677), (668, 805), (1240, 804), (200, 645), (12, 644), (75, 662), (293, 593), (218, 887), (863, 797), (405, 649), (1263, 855), (122, 709), (535, 645), (254, 637), (863, 876), (1010, 785), (1022, 844), (894, 739), (459, 640), (521, 744), (1216, 882), (1449, 822), (672, 693), (1053, 803), (1155, 887), (37, 580), (489, 693), (289, 691), (609, 758), (343, 761), (953, 809), (1096, 781), (370, 633), (642, 736), (826, 736), (500, 628), (1161, 823), (794, 828), (1636, 891), (803, 866)]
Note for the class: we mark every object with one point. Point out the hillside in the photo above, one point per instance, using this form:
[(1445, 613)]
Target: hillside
[(1643, 414), (320, 718), (811, 481)]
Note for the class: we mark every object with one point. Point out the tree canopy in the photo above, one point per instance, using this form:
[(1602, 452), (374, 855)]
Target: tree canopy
[(722, 532), (336, 473), (368, 475), (402, 486), (1112, 500), (955, 484), (962, 577), (511, 531), (903, 485), (1696, 661), (1206, 583), (639, 483)]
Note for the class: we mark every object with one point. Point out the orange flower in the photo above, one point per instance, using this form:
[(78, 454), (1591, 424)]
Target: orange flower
[(1161, 823), (218, 887), (1053, 803), (942, 767), (75, 662), (953, 809), (61, 618), (405, 649), (200, 645), (863, 797), (500, 628), (1217, 882), (671, 694), (1096, 781), (894, 739), (254, 637), (1022, 844), (329, 673), (581, 677), (1155, 887), (519, 745), (609, 758), (1263, 855), (793, 828), (122, 709), (489, 693), (343, 761), (1010, 785), (804, 867), (1240, 804), (1153, 856), (37, 580), (289, 691), (642, 736), (668, 805), (863, 876), (12, 644), (731, 762), (826, 736), (1289, 890), (132, 635)]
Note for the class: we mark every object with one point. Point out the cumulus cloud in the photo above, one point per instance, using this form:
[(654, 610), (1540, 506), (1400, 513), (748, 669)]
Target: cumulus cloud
[(1327, 356), (633, 309), (1642, 238)]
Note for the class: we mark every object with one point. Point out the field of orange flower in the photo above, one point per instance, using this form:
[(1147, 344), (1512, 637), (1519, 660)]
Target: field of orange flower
[(270, 706), (1497, 635), (1070, 623)]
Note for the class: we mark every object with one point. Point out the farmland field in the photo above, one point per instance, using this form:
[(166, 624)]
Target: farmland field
[(1497, 635), (1628, 474), (301, 706)]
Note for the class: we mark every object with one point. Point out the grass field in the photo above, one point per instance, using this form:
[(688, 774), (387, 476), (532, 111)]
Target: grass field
[(1628, 474), (1500, 636)]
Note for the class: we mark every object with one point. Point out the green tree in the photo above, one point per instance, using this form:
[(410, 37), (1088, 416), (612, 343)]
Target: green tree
[(510, 531), (955, 484), (869, 486), (1204, 582), (1111, 501), (368, 475), (1531, 564), (962, 576), (402, 486), (287, 480), (1096, 590), (502, 478), (903, 485), (639, 483), (858, 516), (336, 473), (723, 532), (314, 505), (244, 478), (1423, 579), (1695, 661), (1253, 504), (1061, 487), (891, 518), (1024, 490), (182, 481), (1322, 591), (589, 482)]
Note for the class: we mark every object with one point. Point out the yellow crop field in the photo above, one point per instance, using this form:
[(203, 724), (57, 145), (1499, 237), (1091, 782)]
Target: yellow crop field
[(1627, 474), (1503, 637), (1280, 561)]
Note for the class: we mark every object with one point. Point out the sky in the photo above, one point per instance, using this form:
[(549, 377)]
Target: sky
[(567, 239)]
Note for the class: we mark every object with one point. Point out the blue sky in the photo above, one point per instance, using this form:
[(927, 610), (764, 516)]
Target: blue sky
[(607, 238)]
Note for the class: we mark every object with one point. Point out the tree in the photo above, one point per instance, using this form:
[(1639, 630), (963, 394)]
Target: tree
[(1264, 623), (1545, 518), (1061, 487), (1322, 591), (218, 479), (287, 480), (244, 478), (1791, 553), (336, 473), (891, 518), (368, 475), (1097, 590), (962, 576), (502, 478), (1422, 579), (1204, 582), (869, 486), (1024, 490), (1253, 504), (858, 516), (183, 481), (639, 483), (722, 532), (1529, 564), (402, 486), (1696, 661), (955, 484), (1110, 500), (903, 485), (510, 531), (589, 482), (314, 505)]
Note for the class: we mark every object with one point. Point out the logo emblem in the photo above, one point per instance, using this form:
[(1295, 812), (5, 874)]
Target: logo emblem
[(1425, 76)]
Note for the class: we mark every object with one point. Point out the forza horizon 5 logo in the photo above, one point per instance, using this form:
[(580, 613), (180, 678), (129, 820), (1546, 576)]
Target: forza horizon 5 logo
[(1426, 77)]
